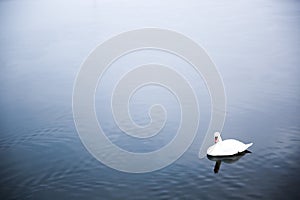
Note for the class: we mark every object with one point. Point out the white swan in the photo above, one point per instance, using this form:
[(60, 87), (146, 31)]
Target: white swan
[(227, 147)]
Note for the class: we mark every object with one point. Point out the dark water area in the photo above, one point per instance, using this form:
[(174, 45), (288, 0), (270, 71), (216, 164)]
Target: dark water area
[(255, 46)]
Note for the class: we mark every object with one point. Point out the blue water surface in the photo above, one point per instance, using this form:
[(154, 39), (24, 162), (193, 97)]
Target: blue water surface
[(255, 46)]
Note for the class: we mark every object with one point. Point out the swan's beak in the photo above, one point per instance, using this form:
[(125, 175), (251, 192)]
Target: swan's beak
[(216, 139)]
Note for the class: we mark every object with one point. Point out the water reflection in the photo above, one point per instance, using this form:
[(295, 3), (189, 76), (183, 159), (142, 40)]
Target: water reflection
[(226, 159)]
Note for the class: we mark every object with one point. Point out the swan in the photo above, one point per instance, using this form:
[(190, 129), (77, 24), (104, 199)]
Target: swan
[(227, 147)]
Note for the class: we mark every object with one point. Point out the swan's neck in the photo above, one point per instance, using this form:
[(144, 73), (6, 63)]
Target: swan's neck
[(220, 139)]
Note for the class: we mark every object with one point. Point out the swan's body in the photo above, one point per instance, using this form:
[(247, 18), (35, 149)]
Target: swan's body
[(227, 147)]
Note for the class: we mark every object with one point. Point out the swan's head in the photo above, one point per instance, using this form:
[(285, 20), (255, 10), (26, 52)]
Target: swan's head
[(217, 137)]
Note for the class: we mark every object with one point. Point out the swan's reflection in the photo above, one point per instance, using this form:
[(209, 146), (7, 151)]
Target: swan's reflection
[(226, 159)]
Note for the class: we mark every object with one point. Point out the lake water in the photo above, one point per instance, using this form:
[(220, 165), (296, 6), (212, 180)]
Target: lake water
[(255, 46)]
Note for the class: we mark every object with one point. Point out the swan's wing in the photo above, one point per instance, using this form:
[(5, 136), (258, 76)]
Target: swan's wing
[(227, 148), (224, 148)]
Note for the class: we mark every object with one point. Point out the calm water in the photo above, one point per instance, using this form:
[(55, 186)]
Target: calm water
[(255, 45)]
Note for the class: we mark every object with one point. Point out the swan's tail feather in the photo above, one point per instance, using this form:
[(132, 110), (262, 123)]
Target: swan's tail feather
[(249, 145)]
